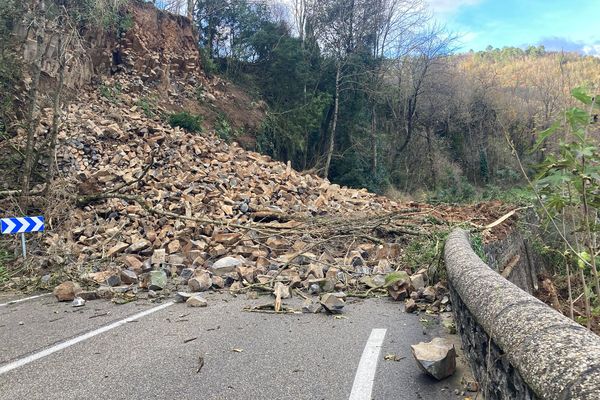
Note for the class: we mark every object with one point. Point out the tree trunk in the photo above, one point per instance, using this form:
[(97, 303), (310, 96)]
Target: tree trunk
[(335, 120), (56, 112), (36, 70), (190, 9), (431, 158), (373, 141)]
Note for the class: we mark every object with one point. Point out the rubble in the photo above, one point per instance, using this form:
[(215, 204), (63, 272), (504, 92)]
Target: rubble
[(67, 291), (332, 304), (196, 301), (78, 302), (437, 358), (156, 207)]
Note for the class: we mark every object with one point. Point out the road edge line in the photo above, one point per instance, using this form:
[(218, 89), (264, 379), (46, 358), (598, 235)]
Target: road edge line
[(37, 296), (68, 343)]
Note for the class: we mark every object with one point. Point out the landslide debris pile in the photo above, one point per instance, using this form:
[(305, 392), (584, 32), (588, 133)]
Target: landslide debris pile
[(155, 210), (164, 210)]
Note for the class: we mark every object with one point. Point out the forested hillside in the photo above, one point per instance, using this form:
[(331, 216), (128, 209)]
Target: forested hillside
[(372, 94)]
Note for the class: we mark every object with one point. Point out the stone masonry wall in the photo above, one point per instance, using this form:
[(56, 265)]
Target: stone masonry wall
[(518, 347)]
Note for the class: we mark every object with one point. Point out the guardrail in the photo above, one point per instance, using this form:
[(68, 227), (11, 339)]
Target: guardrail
[(518, 347)]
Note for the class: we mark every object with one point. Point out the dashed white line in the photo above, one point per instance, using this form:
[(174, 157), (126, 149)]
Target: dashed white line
[(63, 345), (365, 374), (25, 299)]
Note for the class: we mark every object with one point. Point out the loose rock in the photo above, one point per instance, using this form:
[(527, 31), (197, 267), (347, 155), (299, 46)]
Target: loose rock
[(67, 291), (437, 358)]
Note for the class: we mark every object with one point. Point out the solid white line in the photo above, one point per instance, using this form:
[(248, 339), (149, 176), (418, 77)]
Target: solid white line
[(25, 299), (63, 345), (365, 374)]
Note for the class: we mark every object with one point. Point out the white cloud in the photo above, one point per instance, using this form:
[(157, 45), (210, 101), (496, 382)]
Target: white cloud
[(592, 50), (449, 6)]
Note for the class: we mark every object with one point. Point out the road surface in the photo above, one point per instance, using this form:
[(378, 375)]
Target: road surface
[(50, 350)]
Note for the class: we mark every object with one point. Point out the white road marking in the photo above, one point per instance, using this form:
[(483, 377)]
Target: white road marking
[(365, 374), (63, 345), (25, 299)]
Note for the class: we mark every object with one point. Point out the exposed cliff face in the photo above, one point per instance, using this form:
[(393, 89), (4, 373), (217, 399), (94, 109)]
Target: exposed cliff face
[(158, 47)]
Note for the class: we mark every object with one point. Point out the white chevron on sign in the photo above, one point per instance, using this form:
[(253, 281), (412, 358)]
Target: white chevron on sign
[(38, 224), (24, 225), (9, 225)]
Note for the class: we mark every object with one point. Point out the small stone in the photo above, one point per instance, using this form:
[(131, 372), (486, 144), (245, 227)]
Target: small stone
[(225, 265), (332, 304), (437, 358), (186, 274), (128, 277), (152, 294), (218, 282), (196, 301), (252, 295), (138, 246), (159, 257), (133, 263), (340, 295), (410, 306), (429, 294), (314, 289), (67, 291), (113, 280), (201, 282), (311, 307), (104, 292), (181, 297), (472, 386), (117, 248), (157, 280), (78, 302), (418, 281), (89, 295), (174, 246)]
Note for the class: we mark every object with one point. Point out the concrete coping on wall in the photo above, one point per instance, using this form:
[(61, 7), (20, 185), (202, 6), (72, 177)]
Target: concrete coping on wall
[(558, 358)]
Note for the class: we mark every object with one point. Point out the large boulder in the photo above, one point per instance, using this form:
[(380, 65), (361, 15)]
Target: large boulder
[(67, 291), (437, 358)]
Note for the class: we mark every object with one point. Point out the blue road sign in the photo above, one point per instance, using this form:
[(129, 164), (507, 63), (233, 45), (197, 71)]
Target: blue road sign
[(22, 225)]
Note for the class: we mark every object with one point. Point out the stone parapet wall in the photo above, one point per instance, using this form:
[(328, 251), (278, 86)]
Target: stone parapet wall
[(518, 347)]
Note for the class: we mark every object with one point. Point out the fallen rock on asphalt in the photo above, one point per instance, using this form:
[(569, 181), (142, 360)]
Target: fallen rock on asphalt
[(157, 280), (67, 291), (437, 358), (196, 301), (78, 302), (332, 304)]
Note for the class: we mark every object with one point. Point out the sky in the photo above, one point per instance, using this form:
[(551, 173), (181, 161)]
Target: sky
[(570, 25)]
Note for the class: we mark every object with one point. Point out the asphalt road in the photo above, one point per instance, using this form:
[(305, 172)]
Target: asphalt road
[(155, 356)]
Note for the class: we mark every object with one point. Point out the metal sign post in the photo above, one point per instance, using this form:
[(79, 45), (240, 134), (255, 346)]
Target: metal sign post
[(22, 225)]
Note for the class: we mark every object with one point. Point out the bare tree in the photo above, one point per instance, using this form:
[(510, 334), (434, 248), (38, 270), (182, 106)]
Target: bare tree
[(38, 21)]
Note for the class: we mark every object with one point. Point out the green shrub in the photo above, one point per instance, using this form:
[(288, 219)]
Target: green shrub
[(147, 105), (187, 121), (4, 257), (110, 93)]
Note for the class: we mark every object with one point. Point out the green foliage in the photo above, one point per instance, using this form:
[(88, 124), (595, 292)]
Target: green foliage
[(454, 189), (185, 120), (147, 105), (111, 93), (4, 258), (484, 169), (223, 129)]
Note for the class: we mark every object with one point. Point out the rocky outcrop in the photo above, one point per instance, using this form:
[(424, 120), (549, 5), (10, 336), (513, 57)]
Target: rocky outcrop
[(157, 46), (518, 347)]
